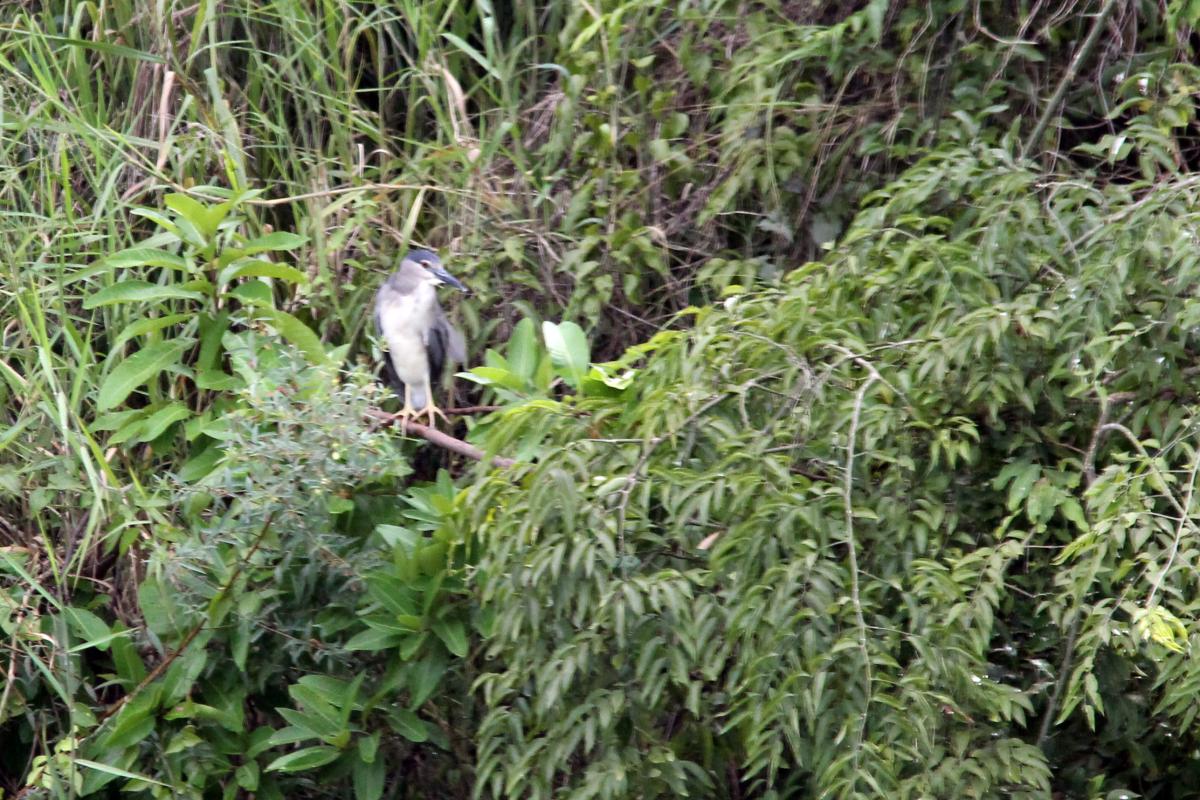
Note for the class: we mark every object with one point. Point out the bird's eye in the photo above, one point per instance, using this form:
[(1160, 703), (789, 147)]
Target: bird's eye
[(426, 264)]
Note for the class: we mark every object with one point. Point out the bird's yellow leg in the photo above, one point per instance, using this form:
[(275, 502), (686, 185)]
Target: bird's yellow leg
[(408, 413), (430, 409)]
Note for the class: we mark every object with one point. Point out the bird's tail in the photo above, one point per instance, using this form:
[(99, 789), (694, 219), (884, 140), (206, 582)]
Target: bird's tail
[(418, 397)]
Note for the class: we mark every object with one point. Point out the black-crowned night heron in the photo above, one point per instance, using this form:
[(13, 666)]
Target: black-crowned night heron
[(419, 337)]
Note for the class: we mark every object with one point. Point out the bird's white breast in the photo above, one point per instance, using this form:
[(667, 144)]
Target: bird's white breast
[(404, 322)]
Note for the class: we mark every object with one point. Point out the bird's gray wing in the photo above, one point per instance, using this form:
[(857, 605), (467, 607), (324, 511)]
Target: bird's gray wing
[(444, 342)]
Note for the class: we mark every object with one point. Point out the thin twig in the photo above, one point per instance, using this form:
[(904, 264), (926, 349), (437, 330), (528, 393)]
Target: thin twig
[(1089, 456), (163, 665), (852, 553), (1063, 673), (1183, 518), (468, 410), (1068, 78)]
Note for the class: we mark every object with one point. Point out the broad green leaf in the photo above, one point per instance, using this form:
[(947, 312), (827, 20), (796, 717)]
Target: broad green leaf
[(1018, 490), (277, 240), (146, 257), (149, 428), (212, 329), (368, 746), (160, 609), (407, 724), (148, 325), (247, 776), (253, 293), (568, 348), (318, 703), (137, 370), (137, 291), (90, 627), (369, 779), (317, 727), (522, 352), (115, 420), (180, 678), (116, 771), (372, 639), (297, 333), (398, 536), (125, 656), (453, 634), (265, 269), (308, 758), (200, 464), (392, 594), (134, 722), (291, 734), (218, 381), (205, 219), (495, 376), (424, 676)]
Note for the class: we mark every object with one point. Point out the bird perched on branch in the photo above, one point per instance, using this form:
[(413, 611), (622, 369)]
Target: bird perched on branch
[(419, 337)]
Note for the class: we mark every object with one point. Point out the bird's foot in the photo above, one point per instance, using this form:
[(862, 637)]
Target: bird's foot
[(430, 410), (407, 414)]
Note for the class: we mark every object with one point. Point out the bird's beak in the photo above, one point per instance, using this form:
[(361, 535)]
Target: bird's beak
[(445, 277)]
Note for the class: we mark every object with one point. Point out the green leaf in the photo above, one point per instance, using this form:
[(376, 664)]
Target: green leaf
[(134, 722), (407, 724), (36, 32), (308, 758), (568, 348), (277, 240), (1018, 490), (205, 219), (369, 779), (116, 771), (150, 428), (495, 376), (201, 464), (472, 53), (137, 370), (424, 676), (247, 776), (522, 353), (337, 504), (126, 658), (372, 639), (368, 746), (265, 269), (93, 629), (163, 615), (453, 635), (254, 293), (392, 593), (297, 333), (146, 257), (138, 292), (148, 325), (319, 704), (291, 734)]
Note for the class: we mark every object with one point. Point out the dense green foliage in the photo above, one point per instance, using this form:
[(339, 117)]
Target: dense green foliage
[(845, 352)]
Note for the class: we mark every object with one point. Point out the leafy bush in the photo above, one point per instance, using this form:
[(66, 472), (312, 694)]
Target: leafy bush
[(914, 523)]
